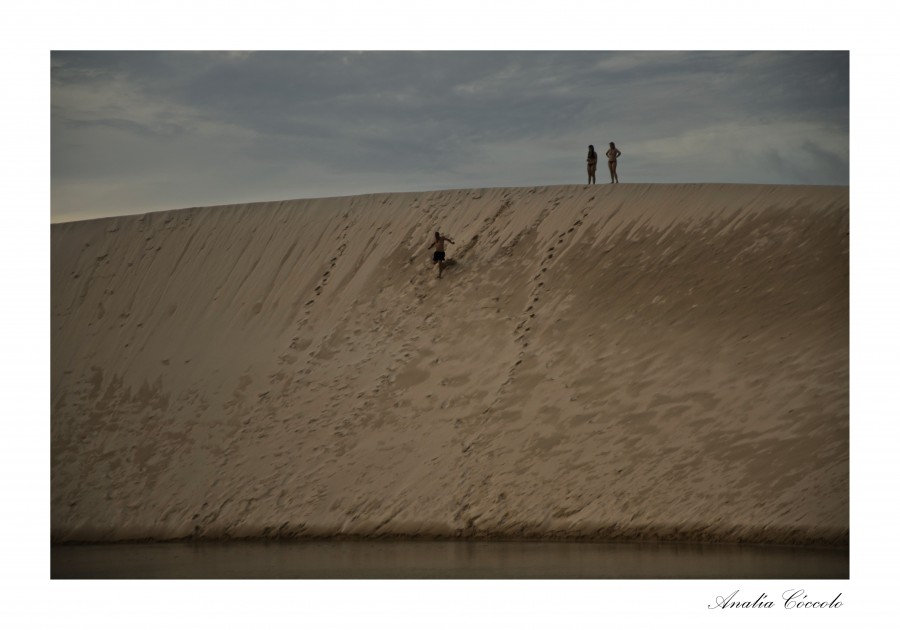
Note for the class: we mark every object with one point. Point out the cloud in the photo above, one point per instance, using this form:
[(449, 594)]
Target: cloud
[(216, 124)]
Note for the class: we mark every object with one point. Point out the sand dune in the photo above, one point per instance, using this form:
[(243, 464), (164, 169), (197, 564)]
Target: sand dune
[(608, 362)]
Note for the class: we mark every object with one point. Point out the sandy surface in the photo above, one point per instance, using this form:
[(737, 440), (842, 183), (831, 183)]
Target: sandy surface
[(608, 362)]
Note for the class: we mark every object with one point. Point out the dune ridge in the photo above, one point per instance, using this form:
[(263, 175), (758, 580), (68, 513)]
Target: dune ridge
[(635, 361)]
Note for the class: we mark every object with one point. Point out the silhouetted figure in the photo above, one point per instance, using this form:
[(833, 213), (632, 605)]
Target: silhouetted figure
[(613, 154), (438, 245), (592, 165)]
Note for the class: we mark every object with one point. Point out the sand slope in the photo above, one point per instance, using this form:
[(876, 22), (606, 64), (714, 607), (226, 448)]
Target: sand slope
[(604, 362)]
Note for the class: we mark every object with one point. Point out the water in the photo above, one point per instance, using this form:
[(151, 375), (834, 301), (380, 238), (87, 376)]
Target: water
[(445, 560)]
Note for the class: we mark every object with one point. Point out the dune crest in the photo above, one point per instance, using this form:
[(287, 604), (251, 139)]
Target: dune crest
[(604, 362)]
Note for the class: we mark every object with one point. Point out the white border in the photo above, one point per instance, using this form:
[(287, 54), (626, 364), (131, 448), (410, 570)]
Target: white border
[(31, 30)]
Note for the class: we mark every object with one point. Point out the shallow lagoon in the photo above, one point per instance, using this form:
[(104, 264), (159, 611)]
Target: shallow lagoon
[(358, 559)]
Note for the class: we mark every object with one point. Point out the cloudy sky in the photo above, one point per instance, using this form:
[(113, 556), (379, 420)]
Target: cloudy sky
[(144, 131)]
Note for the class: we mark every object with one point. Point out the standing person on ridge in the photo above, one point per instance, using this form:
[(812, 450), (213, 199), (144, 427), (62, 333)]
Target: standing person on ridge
[(592, 165), (438, 245), (613, 155)]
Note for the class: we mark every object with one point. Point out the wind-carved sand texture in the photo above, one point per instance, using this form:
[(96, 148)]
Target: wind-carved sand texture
[(605, 362)]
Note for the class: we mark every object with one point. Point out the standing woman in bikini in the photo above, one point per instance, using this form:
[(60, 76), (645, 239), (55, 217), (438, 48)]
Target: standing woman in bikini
[(613, 155), (592, 165)]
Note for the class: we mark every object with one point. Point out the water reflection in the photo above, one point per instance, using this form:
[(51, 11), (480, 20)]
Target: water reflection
[(445, 560)]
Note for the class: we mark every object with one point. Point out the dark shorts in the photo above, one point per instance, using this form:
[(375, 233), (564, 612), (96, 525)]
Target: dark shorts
[(438, 256)]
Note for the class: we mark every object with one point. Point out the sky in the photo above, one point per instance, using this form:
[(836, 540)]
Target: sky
[(135, 132)]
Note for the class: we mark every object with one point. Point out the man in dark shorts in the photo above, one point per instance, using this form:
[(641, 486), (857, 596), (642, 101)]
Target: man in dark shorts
[(439, 255)]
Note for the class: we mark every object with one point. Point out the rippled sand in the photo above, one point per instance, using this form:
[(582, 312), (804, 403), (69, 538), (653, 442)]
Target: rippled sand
[(606, 362)]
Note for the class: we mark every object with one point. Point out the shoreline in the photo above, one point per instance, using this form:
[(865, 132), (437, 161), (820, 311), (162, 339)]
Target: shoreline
[(835, 540)]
